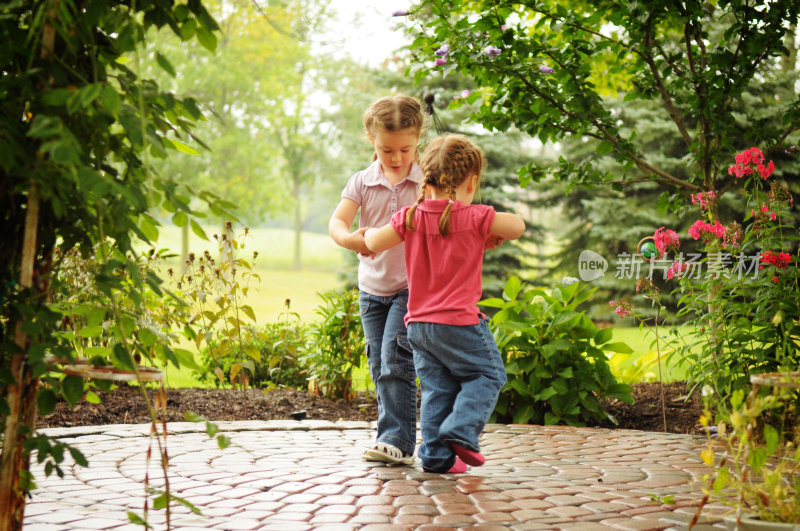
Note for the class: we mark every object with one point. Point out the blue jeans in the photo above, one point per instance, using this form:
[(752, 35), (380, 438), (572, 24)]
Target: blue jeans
[(391, 365), (461, 373)]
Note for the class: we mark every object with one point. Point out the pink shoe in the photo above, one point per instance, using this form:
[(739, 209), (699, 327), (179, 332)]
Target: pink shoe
[(459, 467), (470, 457)]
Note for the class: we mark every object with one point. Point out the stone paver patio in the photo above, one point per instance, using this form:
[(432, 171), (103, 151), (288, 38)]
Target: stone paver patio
[(296, 475)]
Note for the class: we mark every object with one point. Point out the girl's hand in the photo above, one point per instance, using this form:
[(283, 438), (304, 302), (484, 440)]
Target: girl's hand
[(492, 241), (356, 242)]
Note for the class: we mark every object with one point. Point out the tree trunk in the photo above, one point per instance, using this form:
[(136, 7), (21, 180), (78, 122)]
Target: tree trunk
[(21, 394), (298, 223), (185, 245)]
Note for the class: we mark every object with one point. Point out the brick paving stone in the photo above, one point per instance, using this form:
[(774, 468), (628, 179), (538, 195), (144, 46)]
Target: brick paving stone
[(414, 520), (585, 526), (303, 497), (332, 518), (535, 478), (531, 503), (326, 490), (454, 519), (386, 510), (370, 519), (359, 490), (495, 517), (450, 497), (413, 499), (385, 527), (399, 490), (630, 524), (495, 506), (568, 511), (375, 500), (337, 509), (337, 499), (428, 510)]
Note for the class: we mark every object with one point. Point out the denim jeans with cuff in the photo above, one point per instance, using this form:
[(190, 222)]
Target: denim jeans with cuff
[(391, 365), (461, 373)]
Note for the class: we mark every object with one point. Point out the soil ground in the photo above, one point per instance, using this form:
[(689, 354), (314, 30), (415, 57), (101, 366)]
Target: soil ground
[(125, 405)]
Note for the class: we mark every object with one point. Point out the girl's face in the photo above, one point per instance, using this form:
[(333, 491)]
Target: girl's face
[(396, 150)]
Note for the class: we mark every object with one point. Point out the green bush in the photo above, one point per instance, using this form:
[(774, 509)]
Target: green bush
[(555, 357), (337, 344)]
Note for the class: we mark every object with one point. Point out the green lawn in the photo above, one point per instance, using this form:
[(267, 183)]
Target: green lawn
[(642, 364)]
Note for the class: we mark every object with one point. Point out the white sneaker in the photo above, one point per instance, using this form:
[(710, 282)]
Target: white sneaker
[(386, 453)]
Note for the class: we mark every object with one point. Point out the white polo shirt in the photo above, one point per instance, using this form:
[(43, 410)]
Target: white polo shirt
[(385, 274)]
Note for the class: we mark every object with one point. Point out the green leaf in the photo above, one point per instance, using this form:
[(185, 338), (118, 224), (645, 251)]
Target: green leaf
[(207, 39), (248, 310), (524, 414), (191, 416), (147, 337), (138, 520), (512, 288), (46, 401), (771, 438), (619, 346), (72, 390), (183, 148), (90, 331), (180, 219), (546, 394), (164, 63), (223, 442), (198, 230), (148, 227), (161, 501), (92, 397), (78, 457), (186, 359), (604, 335)]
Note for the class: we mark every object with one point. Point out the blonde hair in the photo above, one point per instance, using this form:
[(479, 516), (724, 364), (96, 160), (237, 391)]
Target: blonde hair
[(395, 113), (447, 162)]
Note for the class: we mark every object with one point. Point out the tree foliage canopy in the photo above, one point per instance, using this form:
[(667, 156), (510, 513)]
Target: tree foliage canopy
[(547, 68)]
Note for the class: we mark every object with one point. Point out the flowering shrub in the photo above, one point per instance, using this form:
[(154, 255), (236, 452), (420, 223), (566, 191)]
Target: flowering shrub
[(745, 309)]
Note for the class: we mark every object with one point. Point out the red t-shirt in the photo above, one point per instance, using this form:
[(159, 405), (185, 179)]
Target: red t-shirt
[(444, 274)]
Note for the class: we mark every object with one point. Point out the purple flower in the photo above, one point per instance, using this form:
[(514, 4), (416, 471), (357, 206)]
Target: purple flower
[(503, 27), (440, 61), (444, 50), (491, 50), (400, 13), (544, 69), (465, 93)]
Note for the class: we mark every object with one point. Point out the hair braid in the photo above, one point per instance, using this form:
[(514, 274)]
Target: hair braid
[(444, 219), (420, 199)]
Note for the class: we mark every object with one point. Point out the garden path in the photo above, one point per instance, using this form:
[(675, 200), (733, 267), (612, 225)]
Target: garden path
[(297, 475)]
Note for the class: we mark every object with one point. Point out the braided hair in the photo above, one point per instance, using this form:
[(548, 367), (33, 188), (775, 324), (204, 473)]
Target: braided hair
[(447, 162)]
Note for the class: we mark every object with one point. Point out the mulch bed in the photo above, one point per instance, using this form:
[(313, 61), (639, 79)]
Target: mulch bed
[(125, 405)]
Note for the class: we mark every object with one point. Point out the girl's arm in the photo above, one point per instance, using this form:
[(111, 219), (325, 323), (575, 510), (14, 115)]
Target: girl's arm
[(381, 239), (507, 226), (339, 227)]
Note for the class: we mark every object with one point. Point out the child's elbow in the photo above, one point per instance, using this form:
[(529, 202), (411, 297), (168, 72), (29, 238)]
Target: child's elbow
[(519, 227)]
